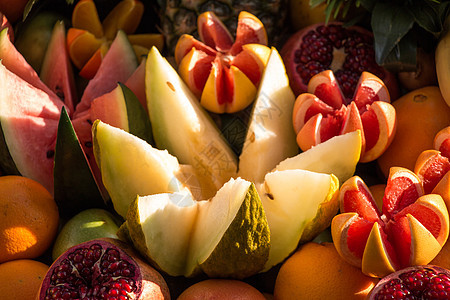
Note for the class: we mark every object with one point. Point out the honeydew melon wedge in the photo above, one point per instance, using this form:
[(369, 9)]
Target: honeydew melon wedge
[(130, 166), (338, 155), (226, 236), (270, 137), (292, 200), (183, 127)]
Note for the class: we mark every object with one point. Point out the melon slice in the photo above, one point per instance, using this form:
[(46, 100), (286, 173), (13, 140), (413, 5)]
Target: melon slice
[(56, 70), (270, 137), (136, 83), (130, 166), (29, 121), (16, 63), (292, 199), (183, 127), (118, 65), (226, 236)]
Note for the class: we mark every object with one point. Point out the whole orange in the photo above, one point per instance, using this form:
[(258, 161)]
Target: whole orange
[(221, 289), (316, 271), (29, 218), (443, 257), (420, 115), (21, 279)]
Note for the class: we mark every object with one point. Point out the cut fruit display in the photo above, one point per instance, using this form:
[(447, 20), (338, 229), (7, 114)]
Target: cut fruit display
[(324, 112), (410, 228), (223, 73), (89, 39)]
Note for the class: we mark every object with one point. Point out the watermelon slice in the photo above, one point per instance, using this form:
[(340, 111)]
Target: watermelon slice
[(56, 70), (14, 61), (29, 121), (118, 65)]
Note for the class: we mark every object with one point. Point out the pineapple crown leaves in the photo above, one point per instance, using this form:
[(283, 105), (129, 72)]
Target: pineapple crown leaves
[(398, 26)]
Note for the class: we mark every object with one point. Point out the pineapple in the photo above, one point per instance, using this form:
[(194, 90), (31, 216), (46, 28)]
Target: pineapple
[(180, 16)]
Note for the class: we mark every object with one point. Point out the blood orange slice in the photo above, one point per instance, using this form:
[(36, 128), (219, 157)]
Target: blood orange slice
[(324, 112), (410, 229), (222, 72)]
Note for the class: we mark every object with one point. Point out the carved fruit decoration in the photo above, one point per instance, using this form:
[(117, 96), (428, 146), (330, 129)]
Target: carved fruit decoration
[(433, 166), (222, 72), (347, 51), (102, 269), (409, 229), (418, 282), (324, 111)]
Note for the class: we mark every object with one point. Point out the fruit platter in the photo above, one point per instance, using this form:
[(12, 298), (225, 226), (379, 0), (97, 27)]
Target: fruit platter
[(285, 149)]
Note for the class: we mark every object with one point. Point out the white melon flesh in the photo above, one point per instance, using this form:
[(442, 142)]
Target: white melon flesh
[(183, 127), (226, 236), (270, 137), (291, 199), (338, 155), (130, 166)]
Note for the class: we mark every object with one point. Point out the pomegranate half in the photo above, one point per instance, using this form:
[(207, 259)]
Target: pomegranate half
[(102, 269), (347, 51)]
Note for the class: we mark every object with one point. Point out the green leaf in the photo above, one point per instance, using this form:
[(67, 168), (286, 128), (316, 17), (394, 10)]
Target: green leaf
[(389, 23), (426, 15), (75, 188), (403, 56)]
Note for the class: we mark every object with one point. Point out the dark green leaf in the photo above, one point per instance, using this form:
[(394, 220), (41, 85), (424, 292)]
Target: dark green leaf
[(368, 4), (426, 15), (389, 24), (403, 56), (75, 188)]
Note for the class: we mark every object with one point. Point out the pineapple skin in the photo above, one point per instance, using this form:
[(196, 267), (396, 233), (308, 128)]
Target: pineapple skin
[(180, 16)]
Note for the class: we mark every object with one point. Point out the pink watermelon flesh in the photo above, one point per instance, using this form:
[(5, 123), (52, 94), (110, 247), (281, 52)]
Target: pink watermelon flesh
[(136, 83), (118, 65), (29, 121), (56, 70), (16, 63)]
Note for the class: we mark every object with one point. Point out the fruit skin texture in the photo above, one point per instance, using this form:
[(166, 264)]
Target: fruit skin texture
[(87, 225), (21, 278), (29, 221), (420, 115), (418, 282), (221, 289), (301, 65), (410, 228), (316, 271), (129, 269)]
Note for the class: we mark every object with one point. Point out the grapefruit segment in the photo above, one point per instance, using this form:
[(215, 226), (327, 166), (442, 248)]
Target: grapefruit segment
[(222, 72), (410, 229), (369, 111), (441, 141)]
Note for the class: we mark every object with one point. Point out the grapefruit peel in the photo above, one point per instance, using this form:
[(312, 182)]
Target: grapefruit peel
[(224, 73), (410, 229), (323, 112)]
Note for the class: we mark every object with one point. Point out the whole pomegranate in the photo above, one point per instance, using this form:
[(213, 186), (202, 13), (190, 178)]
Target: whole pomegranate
[(347, 51), (418, 282), (102, 269)]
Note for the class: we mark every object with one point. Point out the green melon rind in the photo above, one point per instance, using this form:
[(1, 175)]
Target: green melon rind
[(75, 188), (244, 248), (173, 236), (183, 127), (138, 119)]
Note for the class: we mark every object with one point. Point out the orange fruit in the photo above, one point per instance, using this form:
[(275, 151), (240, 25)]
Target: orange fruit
[(219, 289), (21, 279), (420, 115), (29, 218), (443, 257), (316, 271)]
